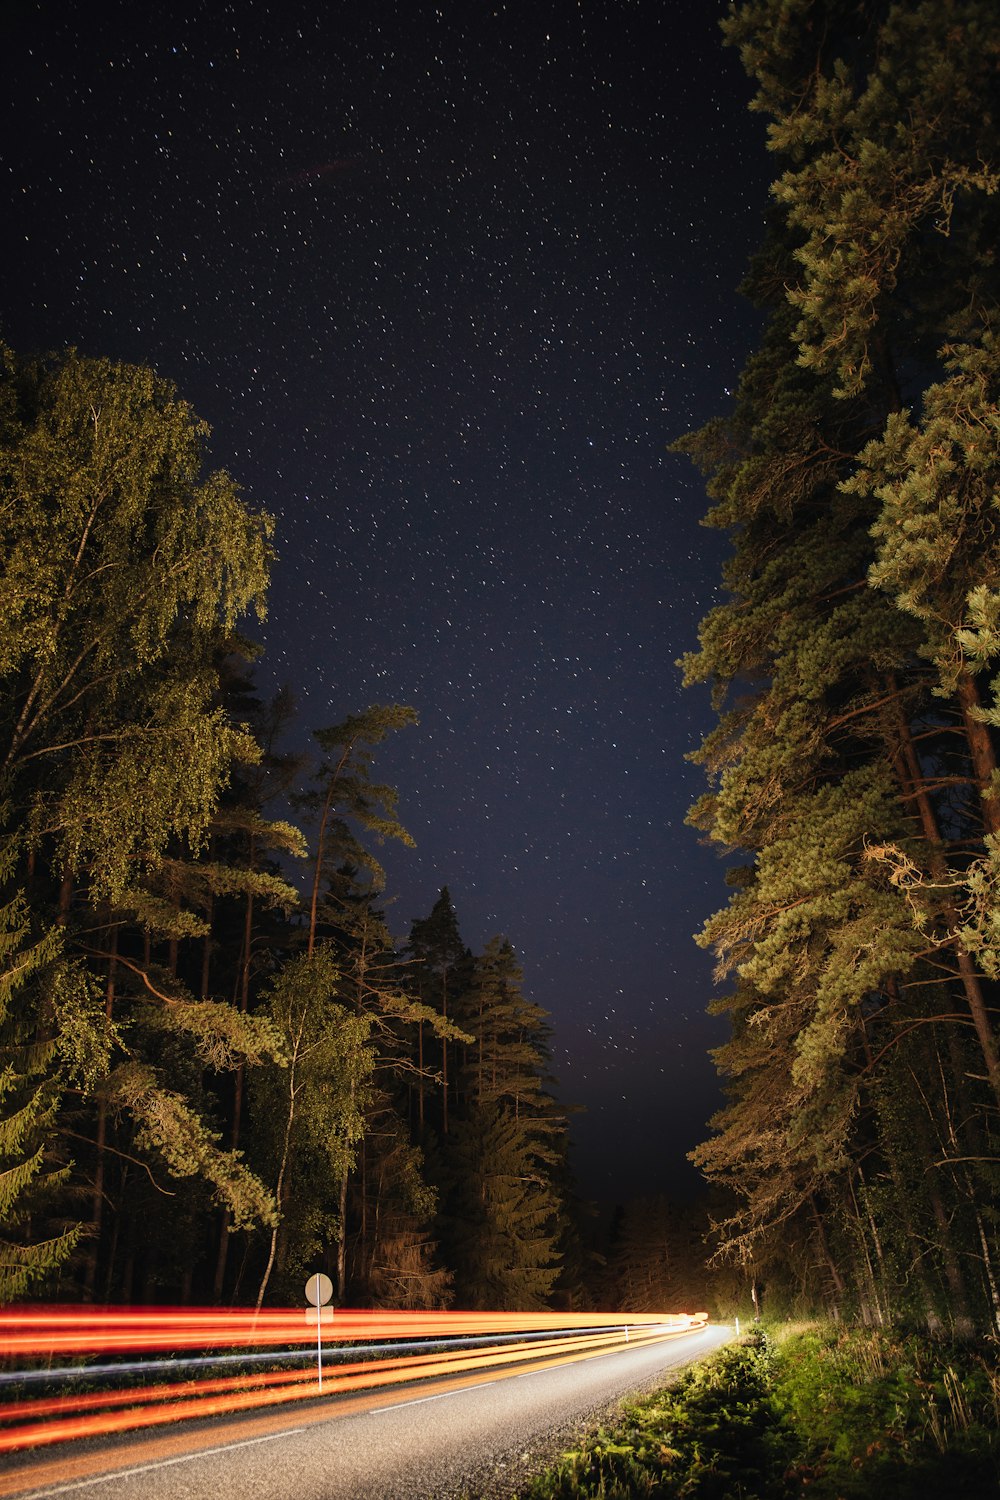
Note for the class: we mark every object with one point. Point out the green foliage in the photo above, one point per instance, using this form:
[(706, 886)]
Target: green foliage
[(166, 1048), (714, 1436), (508, 1064), (171, 1129), (883, 119), (121, 569), (853, 771), (309, 1114), (871, 1414), (346, 799), (33, 1072), (840, 1414)]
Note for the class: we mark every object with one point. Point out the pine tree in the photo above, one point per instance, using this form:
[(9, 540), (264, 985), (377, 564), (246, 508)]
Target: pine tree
[(441, 969), (503, 1159), (854, 763), (345, 798)]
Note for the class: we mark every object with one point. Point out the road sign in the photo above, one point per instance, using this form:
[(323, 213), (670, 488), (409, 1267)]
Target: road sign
[(319, 1289)]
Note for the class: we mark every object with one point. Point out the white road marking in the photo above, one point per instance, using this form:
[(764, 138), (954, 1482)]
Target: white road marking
[(115, 1474), (163, 1463), (376, 1411)]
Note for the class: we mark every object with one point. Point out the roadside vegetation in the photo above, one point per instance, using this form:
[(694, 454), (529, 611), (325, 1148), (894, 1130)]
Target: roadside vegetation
[(819, 1410)]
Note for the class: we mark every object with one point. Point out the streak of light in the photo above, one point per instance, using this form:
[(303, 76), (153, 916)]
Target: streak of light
[(140, 1367), (477, 1342), (45, 1331)]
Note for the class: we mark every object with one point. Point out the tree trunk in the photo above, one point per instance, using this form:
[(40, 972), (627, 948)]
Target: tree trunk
[(239, 1080), (824, 1244), (980, 741), (909, 775), (279, 1191), (97, 1198), (342, 1242)]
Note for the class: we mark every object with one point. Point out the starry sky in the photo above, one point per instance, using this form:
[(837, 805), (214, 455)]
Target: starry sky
[(446, 279)]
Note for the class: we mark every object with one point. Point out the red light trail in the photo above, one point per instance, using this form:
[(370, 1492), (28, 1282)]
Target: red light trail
[(401, 1347)]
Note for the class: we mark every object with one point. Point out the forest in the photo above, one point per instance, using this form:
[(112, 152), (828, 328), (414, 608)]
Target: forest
[(215, 1080), (219, 1071), (852, 770)]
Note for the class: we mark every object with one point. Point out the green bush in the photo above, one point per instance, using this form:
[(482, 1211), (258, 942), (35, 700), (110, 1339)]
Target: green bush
[(715, 1435), (826, 1412)]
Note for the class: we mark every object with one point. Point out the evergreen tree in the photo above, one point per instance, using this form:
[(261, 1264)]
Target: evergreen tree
[(503, 1159), (441, 970), (346, 799), (372, 984), (657, 1260), (502, 1219), (854, 763), (32, 1079)]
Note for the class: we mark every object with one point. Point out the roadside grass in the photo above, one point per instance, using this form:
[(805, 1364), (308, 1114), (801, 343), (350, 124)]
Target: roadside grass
[(835, 1413), (876, 1413)]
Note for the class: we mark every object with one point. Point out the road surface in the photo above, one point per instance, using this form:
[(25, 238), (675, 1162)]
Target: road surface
[(477, 1436)]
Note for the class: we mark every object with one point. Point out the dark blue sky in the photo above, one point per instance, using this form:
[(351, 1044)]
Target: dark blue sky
[(445, 280)]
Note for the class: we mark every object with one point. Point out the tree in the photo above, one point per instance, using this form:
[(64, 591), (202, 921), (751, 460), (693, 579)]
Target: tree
[(442, 965), (503, 1158), (657, 1259), (373, 984), (31, 1084), (310, 1114), (854, 767), (509, 1064), (502, 1217), (124, 569), (345, 795)]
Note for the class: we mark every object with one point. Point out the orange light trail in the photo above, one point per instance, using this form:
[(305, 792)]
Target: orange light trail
[(42, 1333)]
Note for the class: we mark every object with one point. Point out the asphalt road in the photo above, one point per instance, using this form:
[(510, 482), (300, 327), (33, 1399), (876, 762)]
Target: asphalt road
[(444, 1439)]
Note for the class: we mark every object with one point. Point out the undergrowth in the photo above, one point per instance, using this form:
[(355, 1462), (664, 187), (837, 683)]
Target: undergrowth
[(825, 1412)]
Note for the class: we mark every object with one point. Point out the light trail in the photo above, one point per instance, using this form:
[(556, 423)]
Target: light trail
[(45, 1331), (410, 1347), (245, 1357)]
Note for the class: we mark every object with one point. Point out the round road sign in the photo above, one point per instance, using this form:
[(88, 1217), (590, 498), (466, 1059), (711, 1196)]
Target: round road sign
[(319, 1289)]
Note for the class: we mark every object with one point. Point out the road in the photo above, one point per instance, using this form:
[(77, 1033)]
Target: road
[(474, 1436)]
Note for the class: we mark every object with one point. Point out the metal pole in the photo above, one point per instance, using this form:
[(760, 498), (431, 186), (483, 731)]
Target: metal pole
[(319, 1346)]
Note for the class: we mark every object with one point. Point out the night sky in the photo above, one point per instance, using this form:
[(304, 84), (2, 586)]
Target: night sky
[(446, 280)]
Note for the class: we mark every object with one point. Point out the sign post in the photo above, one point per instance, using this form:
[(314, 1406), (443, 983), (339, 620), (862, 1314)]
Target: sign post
[(319, 1290)]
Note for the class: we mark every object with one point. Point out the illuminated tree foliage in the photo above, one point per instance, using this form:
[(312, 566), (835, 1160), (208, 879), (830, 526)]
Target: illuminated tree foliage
[(124, 573), (853, 769), (310, 1115), (208, 1078)]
